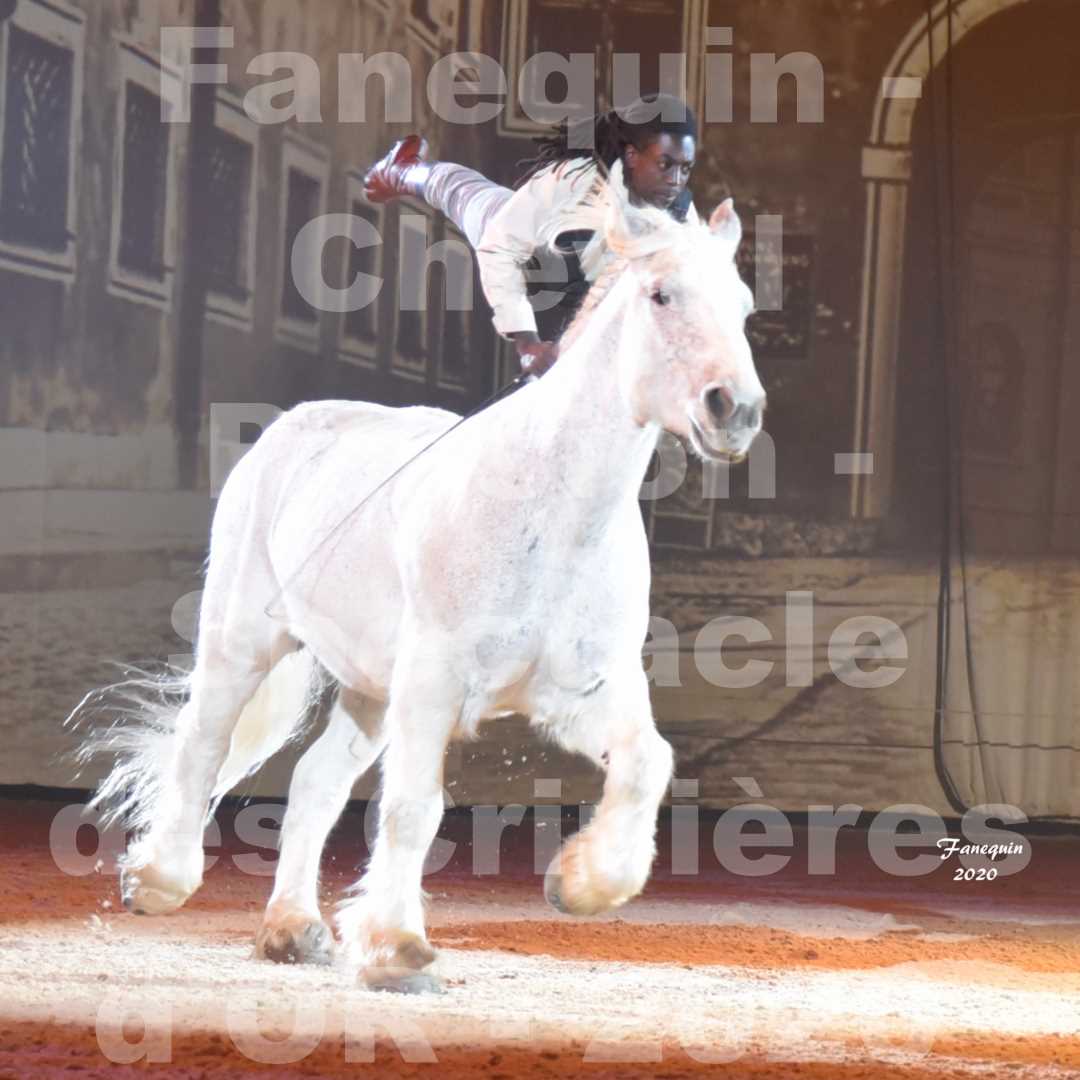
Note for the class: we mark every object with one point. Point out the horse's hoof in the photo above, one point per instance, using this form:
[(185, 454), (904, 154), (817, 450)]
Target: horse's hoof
[(295, 940), (146, 892), (553, 891), (567, 888), (396, 950), (412, 952), (573, 887), (395, 980)]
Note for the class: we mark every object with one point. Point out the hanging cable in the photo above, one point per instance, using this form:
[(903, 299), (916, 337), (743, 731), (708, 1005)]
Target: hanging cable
[(948, 338), (944, 603), (995, 789)]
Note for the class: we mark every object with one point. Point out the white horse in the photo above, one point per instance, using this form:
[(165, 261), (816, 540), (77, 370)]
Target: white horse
[(506, 571)]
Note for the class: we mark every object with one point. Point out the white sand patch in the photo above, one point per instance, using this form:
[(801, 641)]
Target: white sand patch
[(100, 975)]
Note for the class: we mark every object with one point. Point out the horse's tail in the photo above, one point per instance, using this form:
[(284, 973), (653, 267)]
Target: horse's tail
[(139, 734)]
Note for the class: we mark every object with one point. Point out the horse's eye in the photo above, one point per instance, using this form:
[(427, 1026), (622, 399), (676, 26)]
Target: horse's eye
[(660, 297)]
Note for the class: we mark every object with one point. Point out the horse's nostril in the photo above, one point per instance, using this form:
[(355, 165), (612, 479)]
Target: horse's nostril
[(718, 402), (746, 416)]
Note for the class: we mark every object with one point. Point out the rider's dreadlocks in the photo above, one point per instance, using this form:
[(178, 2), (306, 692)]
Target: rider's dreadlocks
[(612, 132)]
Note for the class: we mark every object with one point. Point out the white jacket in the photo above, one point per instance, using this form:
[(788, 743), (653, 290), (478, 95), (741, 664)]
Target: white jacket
[(512, 236)]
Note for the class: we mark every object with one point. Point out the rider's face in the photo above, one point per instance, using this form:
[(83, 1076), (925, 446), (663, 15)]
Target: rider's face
[(658, 175)]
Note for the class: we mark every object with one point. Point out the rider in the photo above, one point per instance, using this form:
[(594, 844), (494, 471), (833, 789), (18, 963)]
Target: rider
[(655, 138)]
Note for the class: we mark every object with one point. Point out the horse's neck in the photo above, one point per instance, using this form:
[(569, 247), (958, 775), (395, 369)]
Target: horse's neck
[(578, 410)]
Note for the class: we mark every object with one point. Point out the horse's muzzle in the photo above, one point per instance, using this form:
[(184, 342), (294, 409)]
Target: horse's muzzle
[(726, 411), (723, 425)]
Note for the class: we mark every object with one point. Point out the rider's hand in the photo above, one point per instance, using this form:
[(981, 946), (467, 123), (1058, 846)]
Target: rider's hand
[(536, 356)]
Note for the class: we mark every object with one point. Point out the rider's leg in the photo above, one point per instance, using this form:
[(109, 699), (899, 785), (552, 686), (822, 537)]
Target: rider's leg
[(468, 198)]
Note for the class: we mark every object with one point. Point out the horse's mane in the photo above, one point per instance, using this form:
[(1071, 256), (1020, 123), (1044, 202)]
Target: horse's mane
[(626, 230), (619, 227), (593, 298)]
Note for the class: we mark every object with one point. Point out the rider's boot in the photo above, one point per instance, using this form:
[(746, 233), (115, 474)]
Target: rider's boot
[(404, 171)]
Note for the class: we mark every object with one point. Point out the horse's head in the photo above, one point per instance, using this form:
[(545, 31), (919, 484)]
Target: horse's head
[(690, 368)]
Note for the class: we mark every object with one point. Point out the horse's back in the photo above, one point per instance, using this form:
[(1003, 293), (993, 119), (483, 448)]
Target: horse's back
[(326, 443), (317, 462), (318, 420)]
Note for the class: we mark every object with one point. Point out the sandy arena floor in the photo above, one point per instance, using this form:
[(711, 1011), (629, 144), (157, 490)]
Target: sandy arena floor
[(858, 975)]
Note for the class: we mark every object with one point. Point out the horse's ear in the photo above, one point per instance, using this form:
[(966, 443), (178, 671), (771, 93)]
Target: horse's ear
[(616, 185), (618, 224), (725, 223)]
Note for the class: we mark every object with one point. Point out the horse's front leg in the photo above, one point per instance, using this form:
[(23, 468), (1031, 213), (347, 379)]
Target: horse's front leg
[(383, 926), (609, 861)]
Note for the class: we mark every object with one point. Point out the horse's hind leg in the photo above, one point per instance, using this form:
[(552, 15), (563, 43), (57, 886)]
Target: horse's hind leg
[(293, 930), (164, 866)]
